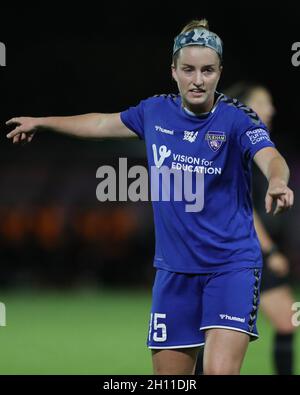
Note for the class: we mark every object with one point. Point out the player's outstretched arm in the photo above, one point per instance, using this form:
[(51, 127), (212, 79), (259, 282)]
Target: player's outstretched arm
[(83, 126), (275, 169)]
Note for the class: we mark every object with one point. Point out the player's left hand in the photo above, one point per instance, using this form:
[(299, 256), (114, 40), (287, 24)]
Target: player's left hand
[(280, 193)]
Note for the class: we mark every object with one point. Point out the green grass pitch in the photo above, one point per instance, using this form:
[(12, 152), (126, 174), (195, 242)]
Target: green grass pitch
[(93, 332)]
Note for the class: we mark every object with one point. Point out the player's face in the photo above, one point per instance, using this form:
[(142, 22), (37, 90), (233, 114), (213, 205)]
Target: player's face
[(197, 74), (261, 102)]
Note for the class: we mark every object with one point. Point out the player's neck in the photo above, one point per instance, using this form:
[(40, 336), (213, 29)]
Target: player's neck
[(196, 111)]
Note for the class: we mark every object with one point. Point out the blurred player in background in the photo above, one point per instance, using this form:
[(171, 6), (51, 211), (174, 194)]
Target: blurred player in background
[(276, 295), (208, 261)]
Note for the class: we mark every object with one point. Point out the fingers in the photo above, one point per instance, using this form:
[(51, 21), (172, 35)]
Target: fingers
[(25, 138), (21, 138), (16, 139), (279, 206), (284, 202), (284, 198), (17, 130), (14, 132), (24, 126), (12, 121), (19, 135), (268, 203), (291, 198), (288, 199)]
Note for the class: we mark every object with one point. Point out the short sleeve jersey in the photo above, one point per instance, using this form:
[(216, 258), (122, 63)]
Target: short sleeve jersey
[(220, 146)]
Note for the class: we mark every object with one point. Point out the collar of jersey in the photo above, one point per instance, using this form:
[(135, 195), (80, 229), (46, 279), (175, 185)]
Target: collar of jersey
[(205, 114)]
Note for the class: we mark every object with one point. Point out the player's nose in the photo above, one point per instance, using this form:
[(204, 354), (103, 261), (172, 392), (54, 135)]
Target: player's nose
[(198, 80)]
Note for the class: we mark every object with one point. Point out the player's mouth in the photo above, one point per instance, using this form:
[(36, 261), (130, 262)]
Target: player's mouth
[(197, 92)]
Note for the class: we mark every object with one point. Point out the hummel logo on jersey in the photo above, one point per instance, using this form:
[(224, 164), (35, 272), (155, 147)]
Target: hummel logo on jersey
[(229, 317), (163, 152), (163, 130), (190, 136)]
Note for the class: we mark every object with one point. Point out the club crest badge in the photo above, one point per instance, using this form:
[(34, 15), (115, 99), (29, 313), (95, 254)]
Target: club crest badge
[(215, 140)]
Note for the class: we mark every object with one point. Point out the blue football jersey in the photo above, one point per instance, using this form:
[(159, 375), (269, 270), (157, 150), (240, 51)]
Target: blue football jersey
[(218, 146)]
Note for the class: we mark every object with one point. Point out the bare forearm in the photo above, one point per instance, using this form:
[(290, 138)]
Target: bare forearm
[(278, 169), (92, 125), (84, 126)]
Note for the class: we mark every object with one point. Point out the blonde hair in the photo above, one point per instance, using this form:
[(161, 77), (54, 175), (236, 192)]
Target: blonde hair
[(195, 24)]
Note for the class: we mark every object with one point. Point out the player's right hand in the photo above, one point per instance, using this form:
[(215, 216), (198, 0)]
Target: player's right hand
[(24, 130)]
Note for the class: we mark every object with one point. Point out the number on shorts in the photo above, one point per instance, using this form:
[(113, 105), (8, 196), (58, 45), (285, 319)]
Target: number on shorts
[(159, 328)]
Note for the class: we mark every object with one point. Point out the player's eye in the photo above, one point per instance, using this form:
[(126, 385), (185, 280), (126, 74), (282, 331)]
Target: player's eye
[(208, 70)]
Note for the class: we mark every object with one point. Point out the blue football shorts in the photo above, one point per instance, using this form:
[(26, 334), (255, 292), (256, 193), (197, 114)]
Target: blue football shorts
[(184, 306)]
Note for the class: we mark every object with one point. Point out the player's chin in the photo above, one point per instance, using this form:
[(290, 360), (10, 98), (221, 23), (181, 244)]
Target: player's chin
[(194, 100)]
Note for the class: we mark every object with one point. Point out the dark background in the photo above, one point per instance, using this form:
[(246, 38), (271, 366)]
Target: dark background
[(103, 58)]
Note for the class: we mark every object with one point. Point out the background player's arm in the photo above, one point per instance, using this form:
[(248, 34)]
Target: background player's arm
[(83, 126), (275, 169), (275, 260), (266, 243)]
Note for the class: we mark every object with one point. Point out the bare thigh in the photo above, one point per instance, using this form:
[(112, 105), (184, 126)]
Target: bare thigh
[(175, 362), (276, 304), (224, 351)]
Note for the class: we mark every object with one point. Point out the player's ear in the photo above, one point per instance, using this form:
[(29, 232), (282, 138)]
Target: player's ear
[(220, 66), (173, 71), (220, 72)]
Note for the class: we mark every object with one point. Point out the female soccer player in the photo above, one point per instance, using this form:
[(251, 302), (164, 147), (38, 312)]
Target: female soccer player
[(208, 262)]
